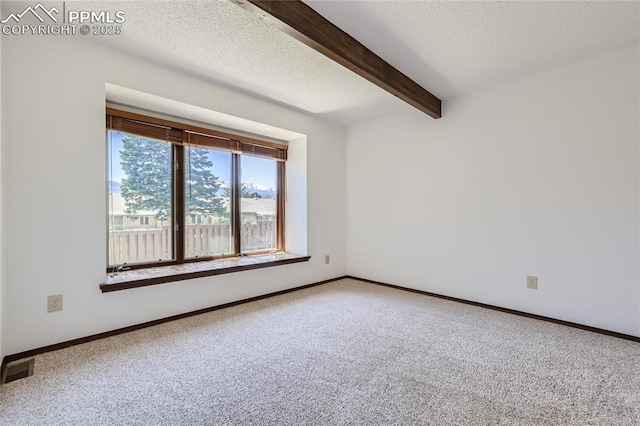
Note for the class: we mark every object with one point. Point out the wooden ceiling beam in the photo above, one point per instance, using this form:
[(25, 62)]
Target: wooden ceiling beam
[(308, 26)]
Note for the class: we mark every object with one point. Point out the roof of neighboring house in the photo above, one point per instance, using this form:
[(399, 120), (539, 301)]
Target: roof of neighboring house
[(261, 206), (117, 205)]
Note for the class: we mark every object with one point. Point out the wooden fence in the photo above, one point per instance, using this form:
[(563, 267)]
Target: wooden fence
[(147, 245)]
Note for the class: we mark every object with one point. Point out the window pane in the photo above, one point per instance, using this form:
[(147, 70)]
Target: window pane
[(207, 179), (258, 203), (140, 208)]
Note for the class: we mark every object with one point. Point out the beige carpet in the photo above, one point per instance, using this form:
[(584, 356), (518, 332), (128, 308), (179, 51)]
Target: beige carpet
[(344, 353)]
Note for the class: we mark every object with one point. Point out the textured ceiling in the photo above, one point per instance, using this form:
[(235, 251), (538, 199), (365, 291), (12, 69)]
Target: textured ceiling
[(448, 47), (453, 47), (220, 41)]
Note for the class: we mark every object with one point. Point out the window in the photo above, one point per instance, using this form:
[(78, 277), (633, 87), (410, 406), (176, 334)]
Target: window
[(258, 204), (116, 222), (180, 193)]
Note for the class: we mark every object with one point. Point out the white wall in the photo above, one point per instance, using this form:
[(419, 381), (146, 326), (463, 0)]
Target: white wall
[(538, 176), (54, 156), (1, 239)]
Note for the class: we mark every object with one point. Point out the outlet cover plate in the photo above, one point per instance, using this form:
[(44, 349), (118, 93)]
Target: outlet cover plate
[(54, 303), (532, 282)]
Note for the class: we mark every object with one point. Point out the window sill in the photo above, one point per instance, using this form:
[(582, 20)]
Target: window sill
[(166, 274)]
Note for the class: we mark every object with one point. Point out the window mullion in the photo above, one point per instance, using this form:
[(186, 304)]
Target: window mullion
[(179, 227), (235, 202), (280, 205)]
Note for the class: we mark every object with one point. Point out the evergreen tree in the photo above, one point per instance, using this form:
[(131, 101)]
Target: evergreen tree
[(147, 186), (201, 186), (244, 192)]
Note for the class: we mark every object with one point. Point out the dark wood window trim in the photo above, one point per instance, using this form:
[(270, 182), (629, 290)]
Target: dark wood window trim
[(165, 274), (181, 135), (224, 140)]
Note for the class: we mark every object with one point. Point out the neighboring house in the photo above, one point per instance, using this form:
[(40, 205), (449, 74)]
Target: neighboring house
[(119, 220), (257, 209), (252, 211)]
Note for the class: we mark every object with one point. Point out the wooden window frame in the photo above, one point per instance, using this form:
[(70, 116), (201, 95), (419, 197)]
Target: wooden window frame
[(182, 135)]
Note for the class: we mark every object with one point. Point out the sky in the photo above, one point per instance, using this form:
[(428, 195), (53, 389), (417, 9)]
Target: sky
[(258, 171)]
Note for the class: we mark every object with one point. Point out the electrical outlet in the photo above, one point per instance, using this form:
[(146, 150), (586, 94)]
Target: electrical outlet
[(54, 303), (532, 282), (327, 259)]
